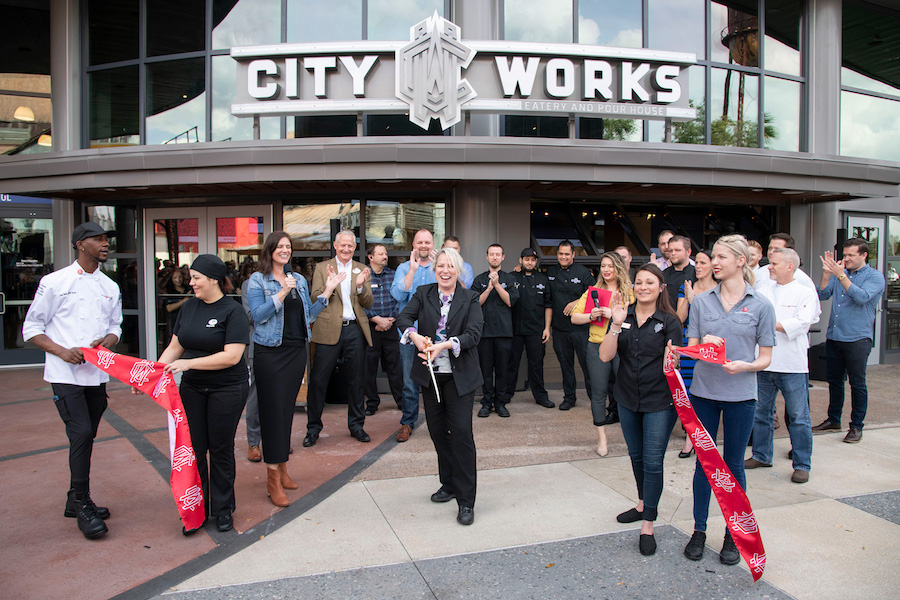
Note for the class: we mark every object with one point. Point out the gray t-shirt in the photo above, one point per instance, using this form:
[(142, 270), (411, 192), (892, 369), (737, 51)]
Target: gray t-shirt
[(749, 323)]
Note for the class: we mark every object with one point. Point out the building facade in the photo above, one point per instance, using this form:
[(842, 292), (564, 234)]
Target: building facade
[(200, 127)]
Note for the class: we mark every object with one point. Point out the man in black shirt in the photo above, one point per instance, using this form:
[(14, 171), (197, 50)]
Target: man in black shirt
[(681, 270), (498, 292), (531, 326), (568, 282)]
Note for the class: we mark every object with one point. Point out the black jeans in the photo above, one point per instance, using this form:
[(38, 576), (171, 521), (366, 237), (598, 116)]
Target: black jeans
[(568, 345), (81, 409), (493, 354), (450, 426), (386, 348), (213, 415), (534, 349), (847, 358)]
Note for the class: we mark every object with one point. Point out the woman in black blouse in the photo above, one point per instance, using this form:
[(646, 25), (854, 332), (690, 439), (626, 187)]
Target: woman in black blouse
[(641, 333), (207, 346)]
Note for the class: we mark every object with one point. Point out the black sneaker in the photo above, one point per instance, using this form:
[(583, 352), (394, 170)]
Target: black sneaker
[(91, 525), (501, 410), (729, 554), (485, 411), (72, 507), (695, 547), (566, 405), (545, 403)]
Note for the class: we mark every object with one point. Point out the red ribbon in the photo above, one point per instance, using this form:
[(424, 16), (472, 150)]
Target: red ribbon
[(148, 376), (736, 509)]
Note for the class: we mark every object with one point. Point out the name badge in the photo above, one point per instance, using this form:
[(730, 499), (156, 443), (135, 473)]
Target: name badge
[(356, 270)]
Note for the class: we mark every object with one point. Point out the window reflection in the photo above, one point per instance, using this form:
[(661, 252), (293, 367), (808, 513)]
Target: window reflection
[(317, 21), (114, 117), (113, 31), (734, 109), (391, 20), (782, 52), (538, 21), (686, 132), (869, 127), (782, 113), (246, 22), (175, 26), (677, 25), (611, 23), (734, 33), (892, 285), (312, 227), (225, 126), (395, 223), (592, 128), (176, 102)]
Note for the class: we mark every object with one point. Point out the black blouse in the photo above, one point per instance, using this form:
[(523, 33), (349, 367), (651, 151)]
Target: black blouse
[(640, 383)]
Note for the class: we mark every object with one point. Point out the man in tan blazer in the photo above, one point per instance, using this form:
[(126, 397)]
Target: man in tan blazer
[(340, 331)]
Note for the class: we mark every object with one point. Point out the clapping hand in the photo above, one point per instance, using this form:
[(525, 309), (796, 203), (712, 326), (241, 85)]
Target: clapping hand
[(688, 291), (831, 266), (361, 278), (332, 280)]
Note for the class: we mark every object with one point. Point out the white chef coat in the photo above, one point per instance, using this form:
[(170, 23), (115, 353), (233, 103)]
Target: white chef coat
[(796, 308)]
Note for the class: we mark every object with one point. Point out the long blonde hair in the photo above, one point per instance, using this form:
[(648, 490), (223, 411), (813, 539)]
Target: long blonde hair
[(623, 280), (737, 245)]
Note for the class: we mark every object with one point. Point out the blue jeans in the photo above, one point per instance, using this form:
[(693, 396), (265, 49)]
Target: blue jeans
[(737, 421), (647, 436), (795, 388), (410, 402), (600, 374), (847, 358)]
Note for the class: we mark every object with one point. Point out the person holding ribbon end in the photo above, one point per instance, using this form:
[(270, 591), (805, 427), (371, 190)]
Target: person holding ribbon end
[(449, 328), (735, 312), (640, 335), (207, 346), (613, 280), (282, 314)]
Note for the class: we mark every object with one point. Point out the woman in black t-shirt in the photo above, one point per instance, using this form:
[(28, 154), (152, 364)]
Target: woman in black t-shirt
[(641, 334), (207, 346)]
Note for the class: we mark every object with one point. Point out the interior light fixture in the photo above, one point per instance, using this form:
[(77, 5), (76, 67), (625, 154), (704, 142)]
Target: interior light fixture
[(23, 113), (45, 140)]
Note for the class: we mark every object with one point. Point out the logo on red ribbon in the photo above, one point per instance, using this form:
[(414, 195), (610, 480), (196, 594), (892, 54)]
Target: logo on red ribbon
[(183, 457), (757, 562), (681, 398), (192, 498), (140, 372), (161, 386), (177, 416), (723, 480), (105, 358), (744, 522), (702, 440)]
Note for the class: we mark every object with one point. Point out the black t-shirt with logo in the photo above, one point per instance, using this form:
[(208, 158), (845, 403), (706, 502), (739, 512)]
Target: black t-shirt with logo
[(204, 329), (497, 315)]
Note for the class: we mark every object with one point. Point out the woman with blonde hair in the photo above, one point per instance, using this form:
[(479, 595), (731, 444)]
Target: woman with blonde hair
[(614, 278), (736, 312)]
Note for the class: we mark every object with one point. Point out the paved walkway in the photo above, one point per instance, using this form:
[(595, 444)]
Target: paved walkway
[(362, 525)]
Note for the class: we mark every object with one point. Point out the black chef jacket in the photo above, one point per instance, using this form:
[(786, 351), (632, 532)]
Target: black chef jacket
[(567, 285), (534, 297)]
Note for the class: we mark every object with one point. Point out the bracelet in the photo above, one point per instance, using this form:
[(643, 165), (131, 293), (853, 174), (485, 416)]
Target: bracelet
[(616, 332)]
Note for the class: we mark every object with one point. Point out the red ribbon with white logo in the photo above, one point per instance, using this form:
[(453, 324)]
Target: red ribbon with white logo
[(735, 505), (149, 377)]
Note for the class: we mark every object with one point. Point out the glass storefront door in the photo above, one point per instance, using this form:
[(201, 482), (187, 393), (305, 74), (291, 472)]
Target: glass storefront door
[(871, 229), (174, 237), (26, 255)]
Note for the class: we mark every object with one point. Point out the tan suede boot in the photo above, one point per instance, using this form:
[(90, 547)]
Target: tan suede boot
[(273, 485), (286, 481)]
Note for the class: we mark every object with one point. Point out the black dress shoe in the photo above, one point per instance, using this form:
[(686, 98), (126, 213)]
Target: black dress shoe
[(91, 525), (361, 435), (545, 403), (501, 410), (224, 522), (442, 495), (729, 554), (566, 405), (695, 547), (371, 410), (466, 515), (72, 507), (827, 425), (611, 418), (310, 439), (647, 544), (485, 411), (631, 515)]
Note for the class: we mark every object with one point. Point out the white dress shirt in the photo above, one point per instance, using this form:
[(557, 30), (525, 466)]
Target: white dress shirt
[(347, 308), (73, 308)]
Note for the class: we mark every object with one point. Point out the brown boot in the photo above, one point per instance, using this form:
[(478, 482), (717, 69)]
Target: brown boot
[(273, 486), (286, 481)]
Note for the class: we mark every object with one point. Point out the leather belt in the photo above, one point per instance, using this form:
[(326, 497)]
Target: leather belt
[(345, 322)]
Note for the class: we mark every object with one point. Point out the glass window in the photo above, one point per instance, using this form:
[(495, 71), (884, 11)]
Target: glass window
[(174, 26), (123, 220), (687, 132), (611, 23), (538, 21), (869, 126), (395, 223), (225, 126), (312, 227), (677, 25), (113, 107), (176, 102), (782, 114), (397, 125), (391, 20), (870, 47), (323, 126), (112, 31), (892, 285), (246, 22), (592, 128), (782, 47), (552, 223), (332, 21), (733, 108), (22, 117), (532, 126), (734, 33)]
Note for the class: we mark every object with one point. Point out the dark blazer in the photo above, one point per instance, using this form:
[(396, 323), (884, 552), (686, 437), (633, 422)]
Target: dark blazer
[(465, 322), (326, 329)]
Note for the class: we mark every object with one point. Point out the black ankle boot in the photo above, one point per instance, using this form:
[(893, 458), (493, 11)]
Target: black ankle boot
[(72, 507), (90, 524)]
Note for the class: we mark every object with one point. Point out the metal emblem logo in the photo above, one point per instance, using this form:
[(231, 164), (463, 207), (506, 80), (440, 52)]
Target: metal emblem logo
[(429, 72)]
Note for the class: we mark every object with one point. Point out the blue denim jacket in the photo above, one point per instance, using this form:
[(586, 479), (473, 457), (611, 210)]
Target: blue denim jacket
[(266, 310)]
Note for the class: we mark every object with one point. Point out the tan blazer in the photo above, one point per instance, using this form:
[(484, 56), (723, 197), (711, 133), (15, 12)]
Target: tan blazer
[(326, 329)]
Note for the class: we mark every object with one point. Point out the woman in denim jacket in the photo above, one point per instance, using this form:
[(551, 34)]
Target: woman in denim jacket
[(282, 311)]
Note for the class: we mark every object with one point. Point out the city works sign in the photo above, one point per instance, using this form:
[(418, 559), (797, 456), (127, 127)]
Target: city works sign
[(437, 75)]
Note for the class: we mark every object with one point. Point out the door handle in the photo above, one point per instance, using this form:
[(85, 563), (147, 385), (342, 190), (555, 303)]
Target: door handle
[(2, 303)]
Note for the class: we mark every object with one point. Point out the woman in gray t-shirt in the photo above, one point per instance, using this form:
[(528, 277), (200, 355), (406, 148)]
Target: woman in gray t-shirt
[(732, 313)]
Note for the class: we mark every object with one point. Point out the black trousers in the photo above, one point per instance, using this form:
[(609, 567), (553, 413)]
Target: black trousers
[(213, 415), (450, 426), (350, 347), (493, 354), (386, 348), (568, 345), (81, 409), (279, 373), (534, 350)]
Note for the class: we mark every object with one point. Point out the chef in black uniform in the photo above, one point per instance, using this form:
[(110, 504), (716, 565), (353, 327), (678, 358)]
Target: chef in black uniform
[(568, 282), (531, 326)]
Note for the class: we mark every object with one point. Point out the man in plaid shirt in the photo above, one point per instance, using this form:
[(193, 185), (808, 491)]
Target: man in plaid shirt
[(385, 337)]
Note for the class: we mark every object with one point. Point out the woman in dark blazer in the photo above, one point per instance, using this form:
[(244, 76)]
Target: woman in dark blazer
[(449, 327)]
